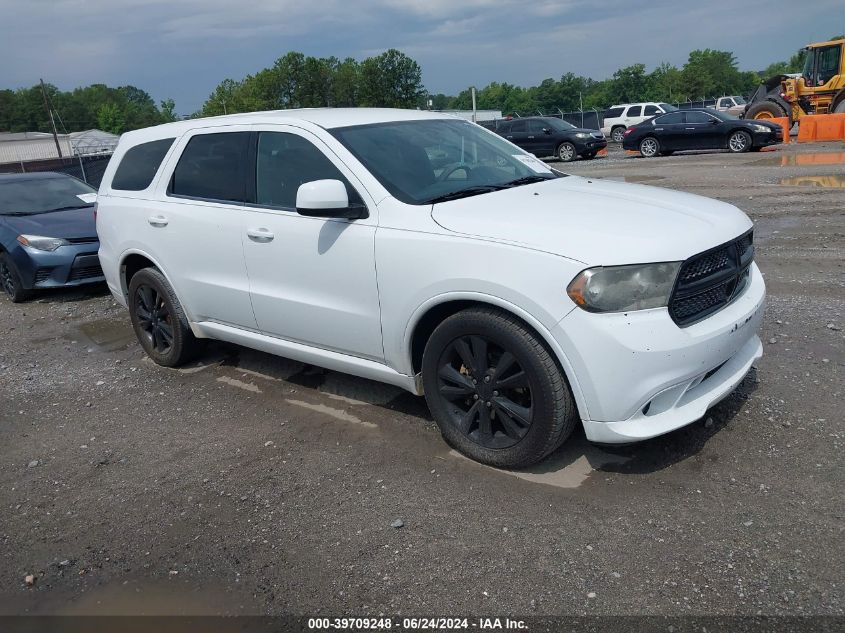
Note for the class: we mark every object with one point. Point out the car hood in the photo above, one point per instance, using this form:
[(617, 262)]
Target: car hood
[(72, 223), (597, 222)]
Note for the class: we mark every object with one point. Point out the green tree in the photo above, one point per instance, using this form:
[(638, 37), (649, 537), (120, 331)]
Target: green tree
[(168, 114), (391, 80), (110, 118)]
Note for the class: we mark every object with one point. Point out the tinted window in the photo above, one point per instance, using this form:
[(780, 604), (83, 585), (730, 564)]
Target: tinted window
[(698, 117), (613, 113), (213, 166), (651, 110), (286, 161), (139, 165), (518, 126), (725, 103), (31, 195), (668, 119), (635, 110), (537, 127)]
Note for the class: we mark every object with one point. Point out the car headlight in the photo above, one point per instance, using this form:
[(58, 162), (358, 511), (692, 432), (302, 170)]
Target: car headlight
[(582, 135), (621, 288), (42, 243), (761, 128)]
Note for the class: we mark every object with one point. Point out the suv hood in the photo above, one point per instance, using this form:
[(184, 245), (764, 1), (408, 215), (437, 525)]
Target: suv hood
[(72, 223), (597, 222)]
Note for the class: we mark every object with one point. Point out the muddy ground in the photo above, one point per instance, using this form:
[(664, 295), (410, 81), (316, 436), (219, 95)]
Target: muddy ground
[(251, 484)]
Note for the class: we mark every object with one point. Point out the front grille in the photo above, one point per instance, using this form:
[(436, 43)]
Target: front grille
[(85, 272), (81, 240), (709, 281)]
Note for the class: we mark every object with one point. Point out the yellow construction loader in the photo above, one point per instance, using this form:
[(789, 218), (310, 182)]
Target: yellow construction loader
[(819, 89)]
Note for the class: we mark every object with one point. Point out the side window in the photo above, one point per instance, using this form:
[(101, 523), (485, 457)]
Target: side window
[(698, 117), (651, 110), (725, 103), (518, 127), (828, 63), (504, 128), (139, 165), (634, 110), (669, 119), (286, 161), (213, 166), (613, 113), (535, 127)]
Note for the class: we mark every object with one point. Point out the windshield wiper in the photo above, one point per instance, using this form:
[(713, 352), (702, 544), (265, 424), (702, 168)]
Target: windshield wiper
[(75, 206), (526, 180), (465, 193)]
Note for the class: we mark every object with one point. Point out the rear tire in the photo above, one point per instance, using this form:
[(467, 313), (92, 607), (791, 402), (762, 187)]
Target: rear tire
[(649, 147), (617, 134), (10, 280), (496, 393), (159, 320)]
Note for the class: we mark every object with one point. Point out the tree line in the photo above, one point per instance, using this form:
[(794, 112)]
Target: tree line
[(391, 79)]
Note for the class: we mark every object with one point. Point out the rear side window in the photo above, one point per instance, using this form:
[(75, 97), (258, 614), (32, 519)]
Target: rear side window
[(669, 119), (613, 113), (139, 165), (635, 110), (213, 166)]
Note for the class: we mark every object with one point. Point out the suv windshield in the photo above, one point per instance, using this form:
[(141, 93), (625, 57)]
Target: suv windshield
[(668, 107), (420, 162), (28, 196)]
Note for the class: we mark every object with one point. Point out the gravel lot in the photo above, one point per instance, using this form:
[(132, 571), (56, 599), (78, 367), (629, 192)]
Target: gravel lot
[(252, 484)]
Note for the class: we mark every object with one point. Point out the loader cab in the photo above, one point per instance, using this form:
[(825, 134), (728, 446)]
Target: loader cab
[(823, 64)]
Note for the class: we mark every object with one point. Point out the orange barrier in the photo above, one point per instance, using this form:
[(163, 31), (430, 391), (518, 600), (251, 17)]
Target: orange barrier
[(602, 152), (783, 122), (821, 127)]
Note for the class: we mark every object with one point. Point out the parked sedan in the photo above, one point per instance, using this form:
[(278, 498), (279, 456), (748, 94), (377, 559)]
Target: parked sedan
[(48, 237), (699, 129), (548, 136)]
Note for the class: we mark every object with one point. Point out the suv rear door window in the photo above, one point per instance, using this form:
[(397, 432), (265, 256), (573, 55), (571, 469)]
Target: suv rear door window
[(213, 167), (634, 111), (139, 165), (518, 127)]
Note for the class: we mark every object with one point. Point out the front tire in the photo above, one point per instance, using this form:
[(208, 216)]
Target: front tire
[(566, 152), (739, 142), (10, 280), (159, 321), (649, 147), (495, 391)]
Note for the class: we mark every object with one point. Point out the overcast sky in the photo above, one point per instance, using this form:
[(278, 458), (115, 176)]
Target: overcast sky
[(184, 48)]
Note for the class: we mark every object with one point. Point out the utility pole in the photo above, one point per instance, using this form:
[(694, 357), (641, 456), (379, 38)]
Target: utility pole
[(52, 121), (474, 111)]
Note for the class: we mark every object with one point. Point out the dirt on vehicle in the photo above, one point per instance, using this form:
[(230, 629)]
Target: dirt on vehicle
[(246, 483)]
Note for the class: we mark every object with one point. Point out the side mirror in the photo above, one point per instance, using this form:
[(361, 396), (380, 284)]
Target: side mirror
[(546, 130), (714, 122), (327, 199)]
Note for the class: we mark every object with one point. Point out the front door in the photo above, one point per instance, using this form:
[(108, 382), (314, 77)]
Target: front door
[(312, 280), (703, 131)]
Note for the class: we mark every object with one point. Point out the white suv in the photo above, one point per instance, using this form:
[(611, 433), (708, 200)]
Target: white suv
[(619, 118), (427, 252)]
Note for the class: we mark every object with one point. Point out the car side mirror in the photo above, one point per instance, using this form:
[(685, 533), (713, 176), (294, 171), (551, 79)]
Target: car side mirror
[(327, 199), (546, 130), (714, 122)]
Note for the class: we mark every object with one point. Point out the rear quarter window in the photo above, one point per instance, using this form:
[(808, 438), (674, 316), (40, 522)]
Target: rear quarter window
[(139, 165), (613, 113)]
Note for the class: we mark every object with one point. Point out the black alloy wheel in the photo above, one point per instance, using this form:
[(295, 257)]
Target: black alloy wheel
[(10, 281), (488, 390), (154, 318)]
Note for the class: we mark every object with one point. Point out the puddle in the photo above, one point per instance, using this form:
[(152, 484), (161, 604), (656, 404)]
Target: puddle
[(569, 467), (640, 179), (829, 182), (338, 414), (234, 382), (792, 160), (109, 335)]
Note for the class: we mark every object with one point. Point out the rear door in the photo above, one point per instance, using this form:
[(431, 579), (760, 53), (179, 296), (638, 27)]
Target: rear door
[(670, 129), (195, 228)]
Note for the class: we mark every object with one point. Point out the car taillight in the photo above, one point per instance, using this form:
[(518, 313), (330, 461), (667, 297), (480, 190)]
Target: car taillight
[(629, 130)]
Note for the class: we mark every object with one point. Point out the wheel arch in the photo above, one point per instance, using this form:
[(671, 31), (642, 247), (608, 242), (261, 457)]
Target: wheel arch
[(134, 260), (437, 309)]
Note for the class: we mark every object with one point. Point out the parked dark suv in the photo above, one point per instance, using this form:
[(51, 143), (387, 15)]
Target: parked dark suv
[(548, 136)]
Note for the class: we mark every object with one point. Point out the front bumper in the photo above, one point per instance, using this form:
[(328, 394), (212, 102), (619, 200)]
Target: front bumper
[(763, 139), (589, 145), (72, 265), (640, 375)]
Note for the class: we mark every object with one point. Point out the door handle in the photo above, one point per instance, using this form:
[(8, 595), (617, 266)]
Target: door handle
[(531, 136), (158, 221), (690, 128), (261, 235)]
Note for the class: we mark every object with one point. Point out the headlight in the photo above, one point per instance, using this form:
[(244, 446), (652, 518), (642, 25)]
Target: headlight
[(582, 135), (42, 243), (621, 288), (761, 128)]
